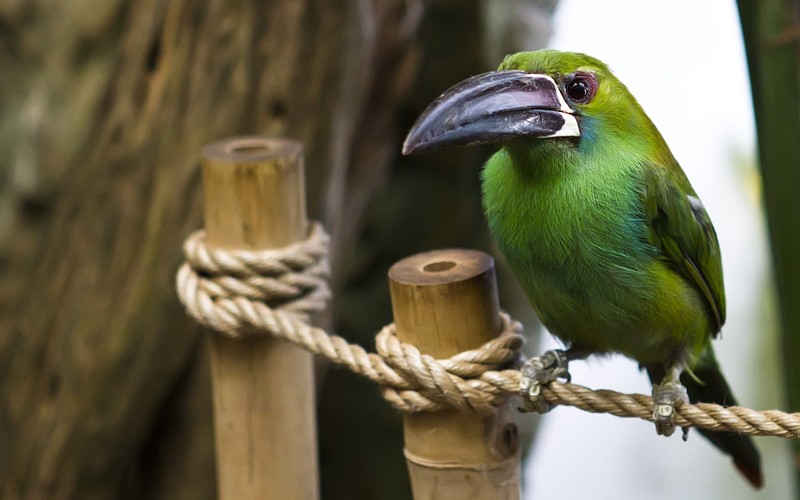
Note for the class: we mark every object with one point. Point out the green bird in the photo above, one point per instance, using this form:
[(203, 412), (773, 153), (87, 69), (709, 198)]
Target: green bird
[(599, 223)]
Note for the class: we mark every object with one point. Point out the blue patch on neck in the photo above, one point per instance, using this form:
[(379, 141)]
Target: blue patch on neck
[(588, 127)]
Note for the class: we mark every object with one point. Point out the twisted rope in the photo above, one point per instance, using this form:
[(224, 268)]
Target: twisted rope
[(272, 292), (226, 289)]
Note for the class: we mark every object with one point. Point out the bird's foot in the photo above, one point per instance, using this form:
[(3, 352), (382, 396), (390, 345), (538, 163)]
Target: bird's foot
[(667, 396), (538, 371)]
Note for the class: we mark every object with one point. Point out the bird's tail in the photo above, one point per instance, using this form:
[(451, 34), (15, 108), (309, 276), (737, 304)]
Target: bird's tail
[(712, 388)]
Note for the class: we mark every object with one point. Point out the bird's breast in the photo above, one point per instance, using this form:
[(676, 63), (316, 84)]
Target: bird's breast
[(578, 244)]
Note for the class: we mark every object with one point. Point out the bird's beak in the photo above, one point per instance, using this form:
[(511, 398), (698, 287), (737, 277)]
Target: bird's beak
[(493, 107)]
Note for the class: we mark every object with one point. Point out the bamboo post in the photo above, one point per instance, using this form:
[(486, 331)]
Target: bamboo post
[(263, 391), (445, 302)]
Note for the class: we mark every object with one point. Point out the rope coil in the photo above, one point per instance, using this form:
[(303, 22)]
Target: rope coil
[(222, 287), (272, 292)]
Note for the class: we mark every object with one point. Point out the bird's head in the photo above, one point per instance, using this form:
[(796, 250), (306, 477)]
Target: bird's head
[(546, 94)]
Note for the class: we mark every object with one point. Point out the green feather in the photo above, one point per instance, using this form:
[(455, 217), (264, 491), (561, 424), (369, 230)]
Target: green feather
[(602, 234), (681, 228)]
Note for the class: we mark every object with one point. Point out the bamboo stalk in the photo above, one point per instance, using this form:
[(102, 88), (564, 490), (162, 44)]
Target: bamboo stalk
[(445, 302), (263, 388)]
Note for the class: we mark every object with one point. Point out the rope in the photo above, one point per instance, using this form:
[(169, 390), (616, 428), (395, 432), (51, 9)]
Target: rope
[(272, 292), (226, 289)]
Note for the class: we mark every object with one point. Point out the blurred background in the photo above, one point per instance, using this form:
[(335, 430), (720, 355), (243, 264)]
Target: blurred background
[(105, 105)]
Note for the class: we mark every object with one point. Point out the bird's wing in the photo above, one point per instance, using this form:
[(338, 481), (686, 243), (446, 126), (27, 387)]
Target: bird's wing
[(682, 230)]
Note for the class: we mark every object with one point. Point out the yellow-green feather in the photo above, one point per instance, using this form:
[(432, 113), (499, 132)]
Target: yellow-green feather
[(576, 224)]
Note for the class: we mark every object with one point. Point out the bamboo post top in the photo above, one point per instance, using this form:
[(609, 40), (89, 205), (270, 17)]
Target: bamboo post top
[(252, 149), (440, 267), (445, 302), (254, 192)]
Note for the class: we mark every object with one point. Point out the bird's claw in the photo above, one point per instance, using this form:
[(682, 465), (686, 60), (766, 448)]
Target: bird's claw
[(538, 371), (667, 396)]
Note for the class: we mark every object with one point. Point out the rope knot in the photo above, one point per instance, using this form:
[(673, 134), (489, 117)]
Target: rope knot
[(430, 384), (223, 288), (271, 292)]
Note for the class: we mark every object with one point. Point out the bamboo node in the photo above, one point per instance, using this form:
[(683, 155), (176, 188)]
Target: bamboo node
[(272, 292)]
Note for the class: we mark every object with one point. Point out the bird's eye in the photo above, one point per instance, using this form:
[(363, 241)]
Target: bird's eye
[(581, 88)]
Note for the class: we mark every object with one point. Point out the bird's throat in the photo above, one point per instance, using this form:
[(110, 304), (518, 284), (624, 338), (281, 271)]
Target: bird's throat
[(535, 161)]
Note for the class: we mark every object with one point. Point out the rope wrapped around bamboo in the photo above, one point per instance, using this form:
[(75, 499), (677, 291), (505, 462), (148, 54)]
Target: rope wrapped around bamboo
[(272, 292)]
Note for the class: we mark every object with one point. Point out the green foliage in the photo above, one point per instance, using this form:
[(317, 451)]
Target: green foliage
[(771, 40)]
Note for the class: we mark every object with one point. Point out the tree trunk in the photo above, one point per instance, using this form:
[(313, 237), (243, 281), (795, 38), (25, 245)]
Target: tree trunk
[(115, 100)]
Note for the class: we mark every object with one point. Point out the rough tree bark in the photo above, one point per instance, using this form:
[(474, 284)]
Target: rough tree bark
[(104, 123)]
